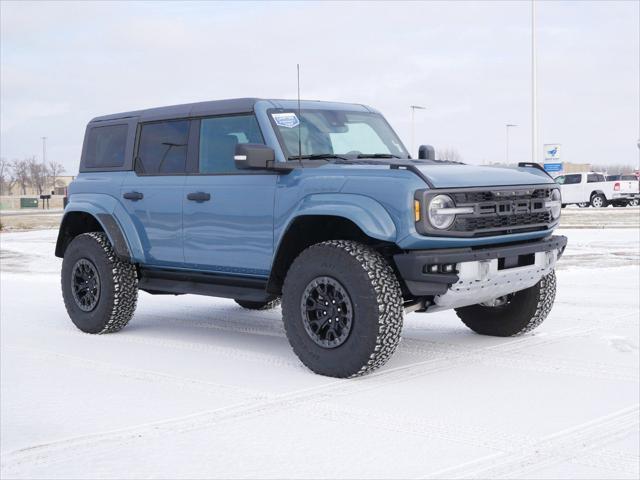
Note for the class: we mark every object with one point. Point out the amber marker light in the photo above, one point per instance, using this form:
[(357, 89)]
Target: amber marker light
[(416, 210)]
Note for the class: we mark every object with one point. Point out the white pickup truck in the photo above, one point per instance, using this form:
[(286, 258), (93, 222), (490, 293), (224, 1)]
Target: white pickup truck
[(590, 188)]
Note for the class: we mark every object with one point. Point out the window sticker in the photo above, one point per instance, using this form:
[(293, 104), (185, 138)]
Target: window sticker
[(287, 120)]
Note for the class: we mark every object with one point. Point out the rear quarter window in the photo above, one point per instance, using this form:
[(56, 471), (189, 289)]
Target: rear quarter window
[(106, 146), (572, 179), (595, 177)]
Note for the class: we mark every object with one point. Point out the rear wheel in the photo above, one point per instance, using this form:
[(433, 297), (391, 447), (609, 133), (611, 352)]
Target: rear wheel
[(633, 203), (513, 314), (583, 204), (598, 201), (100, 290), (259, 305), (342, 308)]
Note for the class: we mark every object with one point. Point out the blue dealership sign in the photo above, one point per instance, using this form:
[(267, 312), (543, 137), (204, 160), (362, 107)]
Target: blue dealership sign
[(553, 167)]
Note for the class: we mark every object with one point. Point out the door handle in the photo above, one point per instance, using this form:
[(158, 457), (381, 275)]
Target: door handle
[(134, 196), (199, 196)]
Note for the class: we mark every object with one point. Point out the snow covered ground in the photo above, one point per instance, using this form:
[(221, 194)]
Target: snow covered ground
[(197, 387)]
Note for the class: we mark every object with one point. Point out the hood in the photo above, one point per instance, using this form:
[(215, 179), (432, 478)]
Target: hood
[(458, 176)]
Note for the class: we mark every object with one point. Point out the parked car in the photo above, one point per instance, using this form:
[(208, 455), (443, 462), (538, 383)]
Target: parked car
[(593, 189), (318, 205)]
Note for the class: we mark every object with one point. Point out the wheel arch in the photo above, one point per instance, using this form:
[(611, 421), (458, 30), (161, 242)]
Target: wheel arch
[(308, 229), (77, 222)]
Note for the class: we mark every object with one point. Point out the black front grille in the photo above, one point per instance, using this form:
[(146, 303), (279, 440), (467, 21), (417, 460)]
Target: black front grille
[(500, 195), (496, 211), (502, 210), (473, 223)]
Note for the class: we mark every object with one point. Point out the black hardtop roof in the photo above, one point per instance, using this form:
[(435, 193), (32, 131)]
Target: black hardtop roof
[(214, 107)]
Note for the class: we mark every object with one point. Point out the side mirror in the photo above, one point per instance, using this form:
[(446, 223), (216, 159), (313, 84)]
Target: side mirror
[(426, 152), (254, 155)]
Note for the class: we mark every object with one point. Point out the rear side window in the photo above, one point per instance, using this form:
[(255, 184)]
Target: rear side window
[(162, 148), (594, 177), (219, 137), (105, 146), (571, 179)]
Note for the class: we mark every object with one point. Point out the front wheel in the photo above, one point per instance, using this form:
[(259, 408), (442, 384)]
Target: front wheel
[(583, 205), (633, 203), (342, 308), (514, 314)]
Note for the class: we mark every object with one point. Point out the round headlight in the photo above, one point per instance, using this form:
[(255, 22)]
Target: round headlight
[(437, 218), (556, 203)]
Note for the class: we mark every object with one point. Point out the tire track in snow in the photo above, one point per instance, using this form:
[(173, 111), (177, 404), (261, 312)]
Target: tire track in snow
[(526, 361), (465, 434), (145, 375), (95, 444), (99, 443), (569, 445)]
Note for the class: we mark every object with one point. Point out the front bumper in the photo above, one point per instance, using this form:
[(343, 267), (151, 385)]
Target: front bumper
[(478, 274)]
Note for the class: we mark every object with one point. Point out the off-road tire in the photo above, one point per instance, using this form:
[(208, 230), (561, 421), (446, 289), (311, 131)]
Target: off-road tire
[(259, 305), (376, 299), (118, 285), (526, 310), (595, 201)]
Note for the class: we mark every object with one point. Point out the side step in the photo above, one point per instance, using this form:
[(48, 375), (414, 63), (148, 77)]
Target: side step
[(159, 281)]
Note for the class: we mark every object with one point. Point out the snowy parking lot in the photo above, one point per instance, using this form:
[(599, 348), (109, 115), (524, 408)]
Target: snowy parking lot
[(197, 387)]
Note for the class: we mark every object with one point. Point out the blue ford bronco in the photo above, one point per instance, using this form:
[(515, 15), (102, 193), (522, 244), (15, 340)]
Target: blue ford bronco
[(315, 204)]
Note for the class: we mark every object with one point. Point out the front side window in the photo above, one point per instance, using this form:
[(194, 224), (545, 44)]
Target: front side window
[(219, 137), (336, 132), (560, 180), (162, 148), (105, 146)]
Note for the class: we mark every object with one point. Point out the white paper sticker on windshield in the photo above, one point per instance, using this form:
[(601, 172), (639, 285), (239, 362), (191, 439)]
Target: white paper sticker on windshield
[(287, 120)]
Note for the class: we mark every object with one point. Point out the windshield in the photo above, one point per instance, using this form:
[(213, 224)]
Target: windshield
[(336, 132)]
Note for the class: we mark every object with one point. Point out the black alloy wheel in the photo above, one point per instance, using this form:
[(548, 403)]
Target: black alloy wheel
[(85, 285), (327, 312)]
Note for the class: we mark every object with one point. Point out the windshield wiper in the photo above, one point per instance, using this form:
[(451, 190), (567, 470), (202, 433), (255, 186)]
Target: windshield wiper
[(317, 156), (378, 155)]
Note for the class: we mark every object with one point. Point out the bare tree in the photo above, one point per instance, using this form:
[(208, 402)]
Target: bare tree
[(613, 169), (6, 177), (37, 174), (449, 153), (55, 169), (20, 174)]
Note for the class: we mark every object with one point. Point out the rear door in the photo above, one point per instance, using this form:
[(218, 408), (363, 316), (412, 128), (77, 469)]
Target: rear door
[(152, 194), (228, 212)]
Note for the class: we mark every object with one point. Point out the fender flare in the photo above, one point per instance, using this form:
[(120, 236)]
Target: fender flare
[(110, 216), (597, 192), (365, 212)]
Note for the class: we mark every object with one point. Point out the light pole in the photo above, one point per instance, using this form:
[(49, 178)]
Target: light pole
[(413, 127), (44, 164), (534, 87), (507, 126)]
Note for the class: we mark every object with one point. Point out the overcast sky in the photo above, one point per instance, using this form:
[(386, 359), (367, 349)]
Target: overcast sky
[(468, 63)]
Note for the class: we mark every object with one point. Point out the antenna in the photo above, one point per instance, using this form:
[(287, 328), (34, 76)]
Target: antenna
[(299, 119)]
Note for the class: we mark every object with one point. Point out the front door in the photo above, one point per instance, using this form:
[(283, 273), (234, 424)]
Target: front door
[(152, 194), (228, 212), (572, 189)]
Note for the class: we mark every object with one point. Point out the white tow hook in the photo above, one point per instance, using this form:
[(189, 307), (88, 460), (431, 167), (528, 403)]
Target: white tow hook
[(483, 269), (550, 258)]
